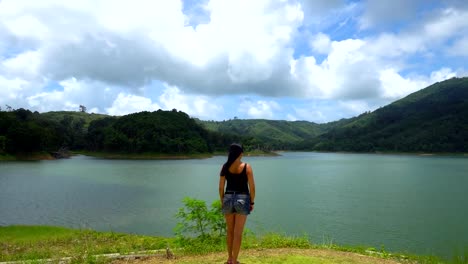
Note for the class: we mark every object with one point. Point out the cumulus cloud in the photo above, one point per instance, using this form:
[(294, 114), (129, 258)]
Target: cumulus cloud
[(311, 114), (321, 43), (47, 101), (260, 109), (346, 73), (197, 106), (371, 68), (12, 90), (70, 93), (355, 107), (129, 103), (25, 65), (123, 43), (102, 53)]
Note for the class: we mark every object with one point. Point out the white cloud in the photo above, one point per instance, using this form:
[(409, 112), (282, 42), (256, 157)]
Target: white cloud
[(347, 72), (260, 109), (128, 44), (290, 117), (103, 52), (395, 86), (441, 75), (12, 89), (459, 48), (321, 43), (24, 65), (310, 114), (371, 68), (449, 23), (427, 36), (70, 94), (48, 101), (355, 107), (196, 106), (129, 103)]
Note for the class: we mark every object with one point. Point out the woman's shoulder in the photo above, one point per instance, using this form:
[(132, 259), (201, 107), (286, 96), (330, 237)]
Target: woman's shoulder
[(223, 170), (248, 168)]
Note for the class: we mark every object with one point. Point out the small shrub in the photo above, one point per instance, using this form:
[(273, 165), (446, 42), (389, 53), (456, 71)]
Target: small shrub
[(196, 220)]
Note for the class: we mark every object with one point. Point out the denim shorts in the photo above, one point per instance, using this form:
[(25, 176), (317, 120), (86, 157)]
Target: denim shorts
[(236, 203)]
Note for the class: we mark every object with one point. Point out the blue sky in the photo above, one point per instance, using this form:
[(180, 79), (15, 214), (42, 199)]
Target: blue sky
[(318, 61)]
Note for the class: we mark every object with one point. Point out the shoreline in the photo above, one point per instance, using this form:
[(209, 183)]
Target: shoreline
[(422, 154), (175, 156), (128, 156)]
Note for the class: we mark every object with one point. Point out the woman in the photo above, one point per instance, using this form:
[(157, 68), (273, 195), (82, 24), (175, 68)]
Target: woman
[(238, 199)]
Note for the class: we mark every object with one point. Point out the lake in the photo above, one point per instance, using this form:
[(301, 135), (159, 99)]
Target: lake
[(407, 203)]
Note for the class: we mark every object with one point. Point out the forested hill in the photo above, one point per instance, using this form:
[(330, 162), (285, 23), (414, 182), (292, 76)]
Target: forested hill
[(166, 132), (434, 119), (268, 134)]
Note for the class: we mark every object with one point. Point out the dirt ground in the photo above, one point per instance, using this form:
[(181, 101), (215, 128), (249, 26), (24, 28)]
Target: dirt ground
[(276, 256)]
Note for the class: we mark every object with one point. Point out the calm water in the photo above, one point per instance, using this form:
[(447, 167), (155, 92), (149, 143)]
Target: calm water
[(407, 203)]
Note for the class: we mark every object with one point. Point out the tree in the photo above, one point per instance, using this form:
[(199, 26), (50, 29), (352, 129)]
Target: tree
[(3, 140), (82, 108)]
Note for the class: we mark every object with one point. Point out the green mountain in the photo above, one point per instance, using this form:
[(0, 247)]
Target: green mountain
[(165, 132), (434, 119), (267, 134), (151, 132)]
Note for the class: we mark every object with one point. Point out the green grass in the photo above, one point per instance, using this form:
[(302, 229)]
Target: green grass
[(40, 242), (26, 156), (144, 156), (7, 157)]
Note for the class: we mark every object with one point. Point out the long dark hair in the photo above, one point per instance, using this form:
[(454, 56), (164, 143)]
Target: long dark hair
[(234, 152)]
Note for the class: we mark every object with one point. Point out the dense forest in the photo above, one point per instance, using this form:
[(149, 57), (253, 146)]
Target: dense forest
[(434, 119), (169, 132)]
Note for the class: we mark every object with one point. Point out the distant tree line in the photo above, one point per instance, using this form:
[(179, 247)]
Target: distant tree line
[(434, 119), (161, 131), (23, 131)]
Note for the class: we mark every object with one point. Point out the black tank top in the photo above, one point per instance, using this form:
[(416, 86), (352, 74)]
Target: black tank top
[(236, 182)]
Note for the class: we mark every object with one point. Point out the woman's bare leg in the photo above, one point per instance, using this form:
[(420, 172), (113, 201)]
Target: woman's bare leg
[(239, 222), (230, 218)]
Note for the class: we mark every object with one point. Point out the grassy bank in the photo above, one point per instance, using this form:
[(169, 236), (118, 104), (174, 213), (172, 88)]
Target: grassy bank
[(144, 156), (127, 156), (151, 156), (45, 242), (26, 156)]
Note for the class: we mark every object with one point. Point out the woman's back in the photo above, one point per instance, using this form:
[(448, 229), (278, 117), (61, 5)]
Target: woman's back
[(236, 178)]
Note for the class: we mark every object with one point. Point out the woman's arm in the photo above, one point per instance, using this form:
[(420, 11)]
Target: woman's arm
[(251, 181), (222, 182)]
